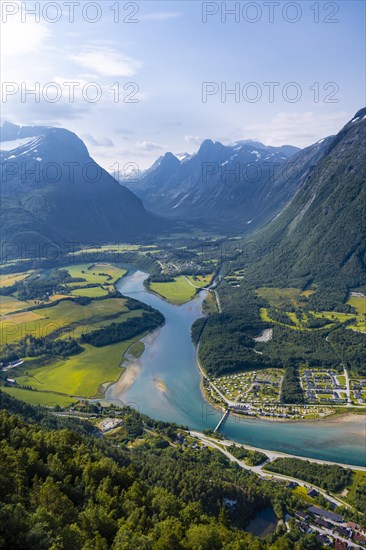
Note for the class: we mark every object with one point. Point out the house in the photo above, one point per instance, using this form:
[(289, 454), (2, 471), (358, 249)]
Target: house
[(359, 538), (356, 527), (342, 531), (340, 545), (304, 527), (313, 493), (324, 540), (302, 516), (326, 514), (292, 484), (323, 523)]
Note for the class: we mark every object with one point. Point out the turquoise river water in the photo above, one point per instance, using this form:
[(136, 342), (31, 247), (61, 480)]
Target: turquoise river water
[(167, 387)]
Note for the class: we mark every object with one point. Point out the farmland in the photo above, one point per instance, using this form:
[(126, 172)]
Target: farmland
[(182, 289), (80, 375), (93, 280), (87, 369), (10, 279)]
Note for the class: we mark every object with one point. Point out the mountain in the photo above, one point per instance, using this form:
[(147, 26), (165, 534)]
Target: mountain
[(53, 191), (240, 186), (321, 234)]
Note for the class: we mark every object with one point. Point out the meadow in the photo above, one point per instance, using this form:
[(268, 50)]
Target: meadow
[(101, 275), (182, 289), (63, 316), (81, 375), (45, 399), (288, 298)]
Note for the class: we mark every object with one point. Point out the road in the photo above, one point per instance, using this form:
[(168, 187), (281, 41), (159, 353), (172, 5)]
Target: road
[(348, 387), (271, 456)]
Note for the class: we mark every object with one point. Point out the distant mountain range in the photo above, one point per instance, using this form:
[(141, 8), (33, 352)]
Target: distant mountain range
[(321, 234), (53, 191), (233, 188)]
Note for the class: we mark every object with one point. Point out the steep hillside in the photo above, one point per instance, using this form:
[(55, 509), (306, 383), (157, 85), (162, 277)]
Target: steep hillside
[(321, 234), (53, 191)]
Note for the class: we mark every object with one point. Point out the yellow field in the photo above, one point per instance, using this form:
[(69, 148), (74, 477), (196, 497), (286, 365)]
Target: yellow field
[(12, 278), (9, 304)]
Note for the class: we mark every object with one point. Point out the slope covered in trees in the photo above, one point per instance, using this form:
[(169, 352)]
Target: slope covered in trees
[(64, 489)]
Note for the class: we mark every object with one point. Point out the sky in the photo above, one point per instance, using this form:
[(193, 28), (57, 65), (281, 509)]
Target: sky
[(137, 79)]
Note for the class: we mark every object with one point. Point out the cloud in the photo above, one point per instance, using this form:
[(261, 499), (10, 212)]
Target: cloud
[(193, 140), (160, 16), (106, 61), (124, 131), (19, 38), (301, 129), (101, 142), (148, 146)]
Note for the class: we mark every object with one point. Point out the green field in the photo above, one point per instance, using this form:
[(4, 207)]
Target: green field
[(79, 375), (91, 292), (46, 399), (86, 374), (360, 325), (136, 349), (61, 316), (359, 303), (177, 292), (102, 275), (280, 297)]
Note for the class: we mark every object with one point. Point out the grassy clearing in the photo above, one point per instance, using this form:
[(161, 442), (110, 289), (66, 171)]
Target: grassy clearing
[(359, 303), (200, 281), (302, 492), (137, 349), (360, 324), (12, 278), (280, 297), (80, 375), (46, 399), (209, 304), (177, 292)]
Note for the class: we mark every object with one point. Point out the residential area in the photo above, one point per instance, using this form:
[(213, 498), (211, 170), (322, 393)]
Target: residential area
[(331, 528)]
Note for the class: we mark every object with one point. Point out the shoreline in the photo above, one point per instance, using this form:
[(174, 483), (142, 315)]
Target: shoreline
[(272, 454), (335, 417)]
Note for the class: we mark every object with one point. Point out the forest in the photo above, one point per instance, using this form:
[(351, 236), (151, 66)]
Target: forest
[(117, 332), (66, 487), (331, 478), (291, 390), (29, 346)]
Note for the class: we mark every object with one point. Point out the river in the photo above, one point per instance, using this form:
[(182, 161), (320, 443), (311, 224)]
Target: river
[(167, 387)]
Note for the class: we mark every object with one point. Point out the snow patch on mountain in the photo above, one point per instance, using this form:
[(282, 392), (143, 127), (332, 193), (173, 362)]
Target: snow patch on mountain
[(15, 143)]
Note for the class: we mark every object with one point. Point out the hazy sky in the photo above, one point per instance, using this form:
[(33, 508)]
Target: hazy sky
[(160, 55)]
